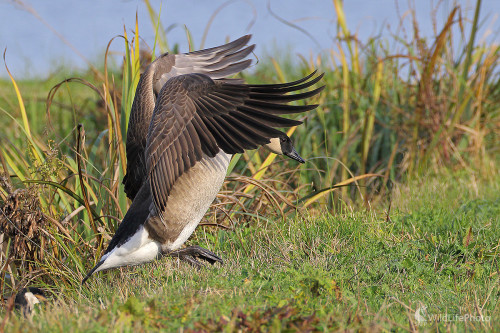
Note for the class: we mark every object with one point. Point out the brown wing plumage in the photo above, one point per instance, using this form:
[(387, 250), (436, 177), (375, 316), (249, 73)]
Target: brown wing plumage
[(195, 115), (217, 62)]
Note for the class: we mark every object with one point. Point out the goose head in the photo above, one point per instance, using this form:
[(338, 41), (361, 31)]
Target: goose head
[(27, 298), (283, 145)]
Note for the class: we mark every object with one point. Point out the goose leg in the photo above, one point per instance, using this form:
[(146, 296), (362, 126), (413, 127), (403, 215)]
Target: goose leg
[(191, 254)]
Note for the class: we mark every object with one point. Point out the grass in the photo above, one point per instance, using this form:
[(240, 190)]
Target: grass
[(407, 126), (366, 270)]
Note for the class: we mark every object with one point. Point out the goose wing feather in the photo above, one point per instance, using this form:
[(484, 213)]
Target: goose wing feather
[(196, 115), (216, 62)]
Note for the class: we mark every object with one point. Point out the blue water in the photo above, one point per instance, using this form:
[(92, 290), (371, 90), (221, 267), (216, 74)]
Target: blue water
[(34, 50)]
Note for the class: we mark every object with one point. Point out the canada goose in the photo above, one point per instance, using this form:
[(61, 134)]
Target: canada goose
[(186, 122), (27, 298)]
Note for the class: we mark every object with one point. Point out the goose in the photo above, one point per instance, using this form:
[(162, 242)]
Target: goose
[(26, 299), (187, 120)]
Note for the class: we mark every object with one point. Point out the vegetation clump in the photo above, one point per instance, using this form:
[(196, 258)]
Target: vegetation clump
[(24, 228)]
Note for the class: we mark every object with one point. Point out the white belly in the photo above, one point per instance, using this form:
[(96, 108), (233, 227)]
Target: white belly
[(139, 249), (192, 195)]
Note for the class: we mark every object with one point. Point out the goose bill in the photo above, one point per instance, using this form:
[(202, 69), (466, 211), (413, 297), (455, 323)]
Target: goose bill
[(293, 154)]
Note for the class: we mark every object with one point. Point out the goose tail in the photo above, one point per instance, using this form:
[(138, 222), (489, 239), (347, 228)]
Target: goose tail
[(89, 274)]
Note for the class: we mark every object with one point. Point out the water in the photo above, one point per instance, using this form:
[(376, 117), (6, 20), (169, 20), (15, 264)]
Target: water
[(34, 50)]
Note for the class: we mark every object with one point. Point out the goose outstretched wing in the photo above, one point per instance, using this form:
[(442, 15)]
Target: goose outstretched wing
[(196, 116), (217, 63)]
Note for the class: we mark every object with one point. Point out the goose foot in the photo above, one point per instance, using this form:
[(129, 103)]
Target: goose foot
[(191, 254)]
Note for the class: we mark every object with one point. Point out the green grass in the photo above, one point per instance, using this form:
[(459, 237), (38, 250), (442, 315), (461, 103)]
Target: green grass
[(437, 247), (64, 115)]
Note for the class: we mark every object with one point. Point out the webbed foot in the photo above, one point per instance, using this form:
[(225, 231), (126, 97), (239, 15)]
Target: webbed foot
[(191, 254)]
